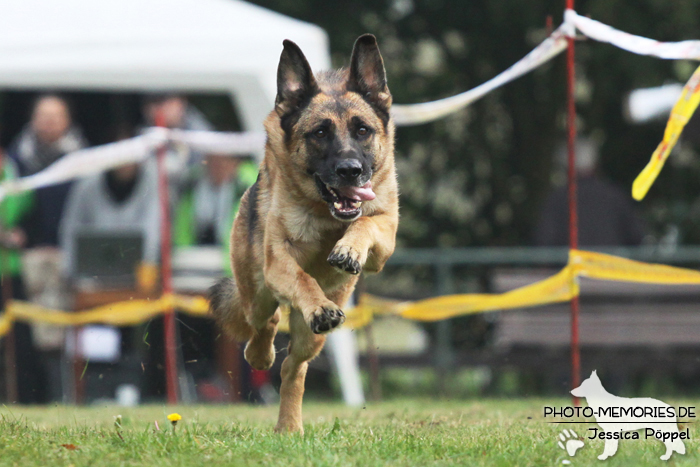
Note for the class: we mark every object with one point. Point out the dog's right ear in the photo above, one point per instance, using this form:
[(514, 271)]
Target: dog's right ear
[(295, 80)]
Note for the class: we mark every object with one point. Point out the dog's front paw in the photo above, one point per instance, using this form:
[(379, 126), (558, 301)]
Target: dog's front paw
[(325, 318), (346, 259)]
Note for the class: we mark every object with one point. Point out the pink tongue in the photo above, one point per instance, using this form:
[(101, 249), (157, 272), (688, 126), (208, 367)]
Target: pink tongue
[(363, 193)]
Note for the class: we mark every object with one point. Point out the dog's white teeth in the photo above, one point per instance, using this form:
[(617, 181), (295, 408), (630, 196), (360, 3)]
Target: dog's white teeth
[(338, 206), (357, 204)]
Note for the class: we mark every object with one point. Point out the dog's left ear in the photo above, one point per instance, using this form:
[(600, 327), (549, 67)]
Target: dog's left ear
[(367, 75)]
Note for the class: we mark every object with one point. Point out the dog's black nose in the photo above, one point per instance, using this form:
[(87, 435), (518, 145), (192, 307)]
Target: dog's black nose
[(349, 169)]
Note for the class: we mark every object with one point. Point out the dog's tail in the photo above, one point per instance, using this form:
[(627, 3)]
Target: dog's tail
[(224, 304)]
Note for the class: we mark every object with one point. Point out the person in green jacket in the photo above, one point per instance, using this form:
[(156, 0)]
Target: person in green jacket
[(207, 206), (14, 209), (203, 216)]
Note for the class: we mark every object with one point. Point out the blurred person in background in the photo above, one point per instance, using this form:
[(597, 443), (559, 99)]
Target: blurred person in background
[(176, 113), (124, 199), (14, 209), (204, 215), (209, 201), (49, 135), (606, 215), (176, 110)]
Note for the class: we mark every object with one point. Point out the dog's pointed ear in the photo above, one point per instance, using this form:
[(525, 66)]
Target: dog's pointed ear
[(295, 80), (367, 75), (594, 374)]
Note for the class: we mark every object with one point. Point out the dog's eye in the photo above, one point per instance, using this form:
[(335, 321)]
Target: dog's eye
[(362, 131), (320, 133)]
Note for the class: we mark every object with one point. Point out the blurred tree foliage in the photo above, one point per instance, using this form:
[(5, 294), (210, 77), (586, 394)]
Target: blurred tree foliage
[(479, 176)]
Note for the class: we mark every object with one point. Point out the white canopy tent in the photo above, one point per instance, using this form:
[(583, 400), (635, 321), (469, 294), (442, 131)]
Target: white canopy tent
[(153, 45)]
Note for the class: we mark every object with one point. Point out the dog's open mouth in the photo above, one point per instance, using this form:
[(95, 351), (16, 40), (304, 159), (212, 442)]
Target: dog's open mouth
[(345, 203)]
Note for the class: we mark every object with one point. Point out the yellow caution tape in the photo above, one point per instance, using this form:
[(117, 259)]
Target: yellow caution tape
[(5, 324), (680, 114), (117, 314), (613, 268), (126, 313), (561, 287), (195, 306)]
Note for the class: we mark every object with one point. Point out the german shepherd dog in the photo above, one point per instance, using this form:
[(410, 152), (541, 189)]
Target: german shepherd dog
[(324, 208)]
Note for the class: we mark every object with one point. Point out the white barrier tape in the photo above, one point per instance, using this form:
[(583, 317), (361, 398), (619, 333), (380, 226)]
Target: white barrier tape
[(97, 159), (684, 50), (101, 158), (210, 142), (86, 162), (415, 114)]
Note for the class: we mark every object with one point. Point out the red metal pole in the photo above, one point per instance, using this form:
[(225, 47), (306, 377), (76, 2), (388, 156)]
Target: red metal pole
[(573, 212), (166, 272)]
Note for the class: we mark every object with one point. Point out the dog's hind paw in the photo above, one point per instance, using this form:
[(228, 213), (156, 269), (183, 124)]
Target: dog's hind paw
[(346, 259), (326, 318)]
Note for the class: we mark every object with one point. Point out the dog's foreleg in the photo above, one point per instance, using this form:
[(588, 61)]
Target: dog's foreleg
[(289, 283), (367, 244), (304, 346)]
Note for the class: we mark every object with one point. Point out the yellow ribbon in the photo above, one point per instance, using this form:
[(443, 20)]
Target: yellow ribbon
[(126, 313), (680, 114), (561, 287)]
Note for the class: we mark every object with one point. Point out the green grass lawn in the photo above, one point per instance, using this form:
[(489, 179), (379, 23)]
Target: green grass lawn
[(397, 433)]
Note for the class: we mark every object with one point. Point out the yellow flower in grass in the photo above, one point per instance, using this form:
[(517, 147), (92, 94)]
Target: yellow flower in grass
[(174, 418)]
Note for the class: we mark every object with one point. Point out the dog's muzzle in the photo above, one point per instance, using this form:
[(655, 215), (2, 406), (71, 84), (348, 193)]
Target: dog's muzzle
[(345, 202)]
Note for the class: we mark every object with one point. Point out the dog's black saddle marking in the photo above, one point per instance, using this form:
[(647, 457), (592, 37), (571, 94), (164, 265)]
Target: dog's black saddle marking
[(253, 209)]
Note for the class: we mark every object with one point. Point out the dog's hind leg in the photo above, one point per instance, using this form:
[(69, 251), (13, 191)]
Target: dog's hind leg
[(229, 308), (260, 350), (303, 346)]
